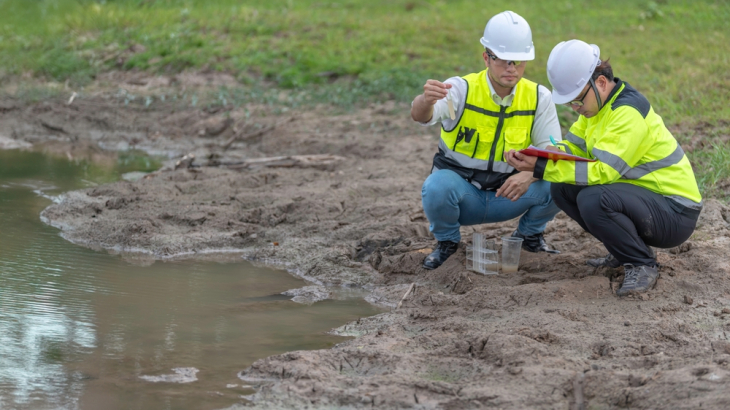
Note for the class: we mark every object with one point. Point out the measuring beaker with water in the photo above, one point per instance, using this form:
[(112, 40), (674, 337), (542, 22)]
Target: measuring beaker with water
[(511, 248)]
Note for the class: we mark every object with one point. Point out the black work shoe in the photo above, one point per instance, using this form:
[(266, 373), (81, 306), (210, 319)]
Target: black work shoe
[(533, 243), (443, 250), (638, 279), (609, 262)]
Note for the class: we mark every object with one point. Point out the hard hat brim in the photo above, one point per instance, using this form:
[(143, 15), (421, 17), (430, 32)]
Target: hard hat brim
[(510, 56), (566, 98)]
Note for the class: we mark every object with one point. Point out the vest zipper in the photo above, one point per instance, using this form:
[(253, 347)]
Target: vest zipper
[(493, 151)]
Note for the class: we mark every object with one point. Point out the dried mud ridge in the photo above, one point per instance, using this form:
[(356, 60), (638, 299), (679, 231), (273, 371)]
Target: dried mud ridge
[(553, 335)]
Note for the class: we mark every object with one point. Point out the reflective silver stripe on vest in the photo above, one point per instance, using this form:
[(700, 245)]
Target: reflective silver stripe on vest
[(473, 163), (627, 172), (686, 202), (567, 148), (578, 141), (613, 160), (649, 167), (502, 167), (581, 173)]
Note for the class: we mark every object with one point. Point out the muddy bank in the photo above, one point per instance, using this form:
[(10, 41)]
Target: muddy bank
[(553, 335)]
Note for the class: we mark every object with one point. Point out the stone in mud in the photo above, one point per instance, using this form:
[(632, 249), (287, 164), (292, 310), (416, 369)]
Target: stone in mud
[(308, 294), (9, 143), (182, 375)]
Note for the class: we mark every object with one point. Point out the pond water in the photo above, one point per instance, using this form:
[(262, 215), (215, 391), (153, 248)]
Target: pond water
[(81, 329)]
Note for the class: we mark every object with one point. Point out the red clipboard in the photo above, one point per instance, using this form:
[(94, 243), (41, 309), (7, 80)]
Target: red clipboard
[(553, 155)]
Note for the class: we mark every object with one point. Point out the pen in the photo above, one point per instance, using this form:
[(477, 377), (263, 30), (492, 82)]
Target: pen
[(553, 140)]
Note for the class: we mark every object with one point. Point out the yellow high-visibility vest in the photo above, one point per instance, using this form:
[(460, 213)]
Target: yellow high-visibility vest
[(485, 130)]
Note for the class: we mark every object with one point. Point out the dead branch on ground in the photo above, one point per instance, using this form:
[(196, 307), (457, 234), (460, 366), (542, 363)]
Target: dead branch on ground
[(413, 285), (288, 161)]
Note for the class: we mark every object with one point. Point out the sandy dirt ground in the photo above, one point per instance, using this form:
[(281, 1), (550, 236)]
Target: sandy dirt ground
[(551, 336)]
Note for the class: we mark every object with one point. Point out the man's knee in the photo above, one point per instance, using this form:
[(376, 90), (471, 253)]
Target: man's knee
[(596, 204), (564, 195), (589, 200), (440, 181), (599, 199), (557, 190), (542, 190), (439, 186)]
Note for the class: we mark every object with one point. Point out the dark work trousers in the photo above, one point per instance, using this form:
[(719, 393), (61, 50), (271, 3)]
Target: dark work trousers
[(628, 219)]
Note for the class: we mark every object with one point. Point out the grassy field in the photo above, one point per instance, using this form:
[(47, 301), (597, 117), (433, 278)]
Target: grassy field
[(350, 51)]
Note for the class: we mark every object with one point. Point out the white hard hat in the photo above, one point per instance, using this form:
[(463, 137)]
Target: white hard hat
[(570, 67), (509, 37)]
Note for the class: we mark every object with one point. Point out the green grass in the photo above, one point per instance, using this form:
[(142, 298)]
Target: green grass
[(712, 169), (677, 52), (674, 51)]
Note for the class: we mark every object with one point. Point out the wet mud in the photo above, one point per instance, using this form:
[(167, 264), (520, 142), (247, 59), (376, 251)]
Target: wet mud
[(552, 335)]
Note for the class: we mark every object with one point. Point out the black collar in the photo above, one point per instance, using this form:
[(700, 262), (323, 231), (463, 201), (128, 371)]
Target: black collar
[(617, 87)]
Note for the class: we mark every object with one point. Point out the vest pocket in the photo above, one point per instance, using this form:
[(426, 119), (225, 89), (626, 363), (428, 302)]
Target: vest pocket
[(468, 140), (486, 137), (515, 138)]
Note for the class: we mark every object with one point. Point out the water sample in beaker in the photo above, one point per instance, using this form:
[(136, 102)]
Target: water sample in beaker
[(511, 248)]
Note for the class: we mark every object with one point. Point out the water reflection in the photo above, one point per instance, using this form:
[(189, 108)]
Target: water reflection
[(79, 328)]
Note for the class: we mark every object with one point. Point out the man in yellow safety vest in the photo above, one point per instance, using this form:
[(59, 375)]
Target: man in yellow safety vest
[(640, 191), (483, 116)]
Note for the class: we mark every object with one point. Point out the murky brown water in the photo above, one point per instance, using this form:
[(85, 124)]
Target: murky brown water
[(81, 329)]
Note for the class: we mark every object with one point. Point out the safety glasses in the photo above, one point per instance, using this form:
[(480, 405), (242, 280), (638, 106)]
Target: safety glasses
[(503, 63), (578, 102)]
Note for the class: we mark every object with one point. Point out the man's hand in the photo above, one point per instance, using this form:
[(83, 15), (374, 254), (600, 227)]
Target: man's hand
[(520, 162), (516, 186), (422, 108), (434, 90)]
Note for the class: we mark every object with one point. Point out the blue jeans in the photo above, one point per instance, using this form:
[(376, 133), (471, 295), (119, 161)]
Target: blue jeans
[(449, 202)]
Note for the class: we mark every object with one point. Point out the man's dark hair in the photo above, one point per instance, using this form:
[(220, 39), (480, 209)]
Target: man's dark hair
[(603, 69)]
